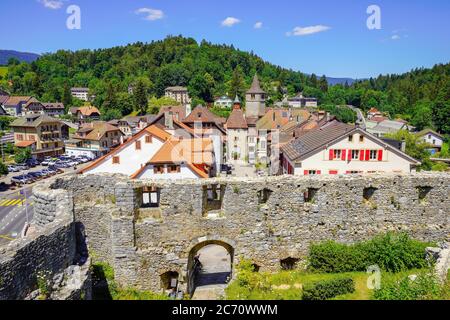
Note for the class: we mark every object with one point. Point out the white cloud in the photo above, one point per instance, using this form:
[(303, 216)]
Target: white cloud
[(304, 31), (52, 4), (258, 25), (395, 37), (230, 21), (151, 14)]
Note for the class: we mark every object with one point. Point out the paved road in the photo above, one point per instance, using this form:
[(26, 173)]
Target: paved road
[(13, 215)]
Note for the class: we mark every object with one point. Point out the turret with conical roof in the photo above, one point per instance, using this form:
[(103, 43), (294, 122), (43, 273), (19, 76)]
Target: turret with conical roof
[(255, 100)]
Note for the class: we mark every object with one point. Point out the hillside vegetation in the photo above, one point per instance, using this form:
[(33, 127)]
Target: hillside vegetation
[(421, 96)]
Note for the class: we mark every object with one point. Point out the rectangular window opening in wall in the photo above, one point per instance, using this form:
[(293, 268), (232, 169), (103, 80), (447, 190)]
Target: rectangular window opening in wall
[(368, 193), (116, 160), (264, 196), (310, 195), (213, 197), (424, 192), (151, 197)]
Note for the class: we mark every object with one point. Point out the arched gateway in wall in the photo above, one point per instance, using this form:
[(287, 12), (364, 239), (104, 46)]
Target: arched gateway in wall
[(193, 264)]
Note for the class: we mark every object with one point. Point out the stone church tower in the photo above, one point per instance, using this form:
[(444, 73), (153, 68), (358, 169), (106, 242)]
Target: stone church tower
[(255, 100)]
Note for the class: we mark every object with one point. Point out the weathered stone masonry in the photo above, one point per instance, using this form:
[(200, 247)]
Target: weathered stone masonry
[(265, 220)]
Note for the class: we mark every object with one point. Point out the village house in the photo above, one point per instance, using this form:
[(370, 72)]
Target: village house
[(85, 114), (299, 101), (179, 112), (179, 94), (158, 154), (14, 105), (94, 139), (206, 125), (374, 113), (55, 109), (381, 127), (237, 135), (42, 134), (434, 139), (223, 102), (138, 123), (81, 93), (338, 148)]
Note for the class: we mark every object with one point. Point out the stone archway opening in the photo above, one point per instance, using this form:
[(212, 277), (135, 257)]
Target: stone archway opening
[(169, 281), (210, 266)]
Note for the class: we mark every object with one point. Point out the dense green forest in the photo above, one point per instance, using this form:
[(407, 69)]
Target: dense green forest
[(421, 96)]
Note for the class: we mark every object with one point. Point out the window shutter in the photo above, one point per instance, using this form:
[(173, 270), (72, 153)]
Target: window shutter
[(331, 154), (380, 155), (361, 155), (319, 172), (367, 155), (349, 155), (306, 172), (344, 154)]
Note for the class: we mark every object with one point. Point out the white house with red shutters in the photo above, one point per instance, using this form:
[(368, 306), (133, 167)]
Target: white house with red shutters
[(338, 148)]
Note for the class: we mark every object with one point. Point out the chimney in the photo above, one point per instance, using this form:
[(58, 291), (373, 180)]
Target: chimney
[(188, 109), (403, 147), (168, 120)]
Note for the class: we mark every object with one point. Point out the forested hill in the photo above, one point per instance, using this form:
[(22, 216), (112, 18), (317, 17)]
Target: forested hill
[(6, 55), (208, 70)]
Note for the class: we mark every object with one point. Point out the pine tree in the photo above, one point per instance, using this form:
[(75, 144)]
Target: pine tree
[(140, 97), (67, 96), (237, 84)]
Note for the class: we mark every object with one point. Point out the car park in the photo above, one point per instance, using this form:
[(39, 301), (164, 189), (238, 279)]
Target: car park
[(22, 166)]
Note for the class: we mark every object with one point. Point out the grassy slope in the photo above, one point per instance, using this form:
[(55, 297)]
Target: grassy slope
[(286, 285), (3, 71)]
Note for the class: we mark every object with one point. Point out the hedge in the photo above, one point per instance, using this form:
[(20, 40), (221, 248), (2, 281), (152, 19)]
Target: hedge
[(327, 289), (391, 252)]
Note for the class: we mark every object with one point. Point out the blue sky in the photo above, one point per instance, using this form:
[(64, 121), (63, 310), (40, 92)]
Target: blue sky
[(415, 33)]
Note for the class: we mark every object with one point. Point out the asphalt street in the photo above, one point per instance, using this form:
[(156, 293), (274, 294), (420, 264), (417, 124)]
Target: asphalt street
[(15, 210)]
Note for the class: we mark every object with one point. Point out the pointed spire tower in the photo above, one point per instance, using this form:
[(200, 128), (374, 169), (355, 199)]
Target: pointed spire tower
[(255, 100), (237, 103)]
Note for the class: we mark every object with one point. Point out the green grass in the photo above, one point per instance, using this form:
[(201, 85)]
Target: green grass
[(286, 285), (3, 71)]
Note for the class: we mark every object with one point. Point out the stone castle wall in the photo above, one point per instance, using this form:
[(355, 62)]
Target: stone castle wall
[(143, 244), (47, 252)]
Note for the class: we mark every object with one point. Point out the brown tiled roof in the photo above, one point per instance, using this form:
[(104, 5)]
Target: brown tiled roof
[(96, 130), (35, 121), (236, 120), (176, 110), (15, 100), (53, 105), (86, 111), (273, 119), (315, 139), (256, 86), (24, 144), (202, 114)]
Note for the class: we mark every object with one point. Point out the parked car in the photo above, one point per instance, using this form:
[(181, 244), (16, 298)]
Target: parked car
[(23, 179), (32, 163), (13, 169), (22, 166), (226, 169)]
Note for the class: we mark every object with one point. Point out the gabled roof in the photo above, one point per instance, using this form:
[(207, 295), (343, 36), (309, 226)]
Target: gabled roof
[(32, 100), (33, 121), (53, 105), (86, 111), (95, 130), (3, 99), (236, 120), (273, 119), (316, 140), (15, 100), (200, 114), (153, 130), (256, 86), (176, 110), (429, 131)]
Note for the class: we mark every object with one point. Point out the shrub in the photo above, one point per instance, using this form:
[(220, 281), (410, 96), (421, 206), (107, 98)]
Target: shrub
[(327, 289), (424, 287), (391, 252)]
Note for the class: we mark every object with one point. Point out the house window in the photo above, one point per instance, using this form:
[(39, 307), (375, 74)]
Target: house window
[(148, 139), (355, 154), (150, 197), (361, 138), (138, 145), (20, 137), (116, 160), (263, 145), (373, 154), (338, 154), (173, 169), (158, 169), (213, 198), (350, 138)]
